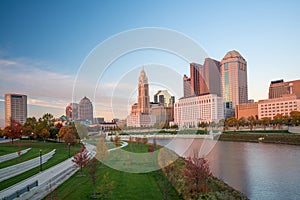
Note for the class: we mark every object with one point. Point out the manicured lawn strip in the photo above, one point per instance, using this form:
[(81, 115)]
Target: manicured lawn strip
[(136, 148), (7, 148), (33, 153), (126, 185), (61, 154)]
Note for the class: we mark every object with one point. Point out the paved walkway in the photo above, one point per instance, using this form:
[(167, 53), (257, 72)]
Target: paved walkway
[(12, 155), (6, 140), (51, 178), (11, 171)]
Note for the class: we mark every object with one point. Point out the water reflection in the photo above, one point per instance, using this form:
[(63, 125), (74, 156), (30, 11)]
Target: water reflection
[(261, 171)]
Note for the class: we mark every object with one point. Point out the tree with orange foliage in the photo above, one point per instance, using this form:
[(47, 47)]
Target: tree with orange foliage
[(13, 131), (44, 134)]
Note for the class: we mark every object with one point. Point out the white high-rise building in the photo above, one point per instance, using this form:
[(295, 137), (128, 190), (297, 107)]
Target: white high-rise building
[(15, 108)]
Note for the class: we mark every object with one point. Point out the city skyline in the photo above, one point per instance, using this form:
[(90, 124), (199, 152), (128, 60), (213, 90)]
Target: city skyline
[(52, 49)]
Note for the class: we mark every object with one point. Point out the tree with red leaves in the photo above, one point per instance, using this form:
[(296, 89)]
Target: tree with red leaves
[(196, 173), (13, 131), (81, 159)]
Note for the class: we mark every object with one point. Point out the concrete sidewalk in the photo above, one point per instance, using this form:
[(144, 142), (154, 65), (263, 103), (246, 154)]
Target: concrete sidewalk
[(13, 155), (11, 171), (49, 179)]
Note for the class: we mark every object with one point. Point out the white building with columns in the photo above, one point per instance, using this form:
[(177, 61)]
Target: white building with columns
[(190, 111)]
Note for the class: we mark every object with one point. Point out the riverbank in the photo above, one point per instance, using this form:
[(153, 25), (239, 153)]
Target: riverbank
[(217, 189), (151, 185), (264, 137)]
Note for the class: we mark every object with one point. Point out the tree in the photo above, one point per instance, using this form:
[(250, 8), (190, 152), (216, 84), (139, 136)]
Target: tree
[(165, 161), (265, 122), (196, 174), (106, 187), (13, 131), (30, 121), (44, 134), (295, 117), (101, 149), (252, 122), (27, 130), (65, 130), (231, 122), (144, 139), (93, 166), (49, 120), (82, 131), (69, 138), (117, 141), (242, 121), (278, 120), (81, 159)]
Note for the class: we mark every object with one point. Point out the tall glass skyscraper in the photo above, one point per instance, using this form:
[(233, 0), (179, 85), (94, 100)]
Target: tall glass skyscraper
[(234, 87)]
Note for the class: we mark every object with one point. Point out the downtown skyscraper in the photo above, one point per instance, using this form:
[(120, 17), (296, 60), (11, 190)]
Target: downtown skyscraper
[(15, 108), (234, 86), (140, 115)]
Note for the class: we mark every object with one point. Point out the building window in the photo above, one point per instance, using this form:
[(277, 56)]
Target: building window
[(225, 66), (227, 95)]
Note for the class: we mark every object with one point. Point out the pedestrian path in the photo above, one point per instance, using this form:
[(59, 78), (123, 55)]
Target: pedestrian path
[(11, 171), (49, 179), (13, 155)]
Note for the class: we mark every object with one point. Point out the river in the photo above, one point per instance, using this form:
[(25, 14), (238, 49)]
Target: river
[(260, 171)]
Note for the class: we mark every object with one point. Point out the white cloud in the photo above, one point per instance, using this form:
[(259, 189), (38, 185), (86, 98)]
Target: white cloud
[(27, 76), (6, 62), (49, 103)]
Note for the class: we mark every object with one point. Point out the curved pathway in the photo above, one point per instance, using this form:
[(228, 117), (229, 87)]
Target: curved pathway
[(11, 171), (51, 178), (12, 155)]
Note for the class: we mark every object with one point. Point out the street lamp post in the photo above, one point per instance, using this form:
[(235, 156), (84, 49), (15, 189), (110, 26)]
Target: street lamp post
[(69, 148), (41, 152)]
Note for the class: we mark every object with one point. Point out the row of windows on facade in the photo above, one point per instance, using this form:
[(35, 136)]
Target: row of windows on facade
[(195, 102), (277, 107), (240, 65), (273, 104), (271, 111), (273, 114)]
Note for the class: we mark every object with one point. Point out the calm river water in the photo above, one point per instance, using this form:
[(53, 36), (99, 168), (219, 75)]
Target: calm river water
[(261, 171)]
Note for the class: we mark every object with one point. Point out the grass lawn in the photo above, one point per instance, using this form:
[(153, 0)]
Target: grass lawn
[(125, 185), (61, 154)]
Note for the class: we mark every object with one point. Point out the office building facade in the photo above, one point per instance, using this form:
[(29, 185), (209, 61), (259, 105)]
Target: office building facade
[(85, 110), (188, 112), (234, 86), (279, 88), (283, 105), (72, 111), (15, 108)]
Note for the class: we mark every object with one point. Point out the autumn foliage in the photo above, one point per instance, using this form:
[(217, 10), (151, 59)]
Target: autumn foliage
[(81, 159), (196, 173), (13, 131)]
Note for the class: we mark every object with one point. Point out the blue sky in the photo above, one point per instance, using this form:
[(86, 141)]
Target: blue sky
[(43, 43)]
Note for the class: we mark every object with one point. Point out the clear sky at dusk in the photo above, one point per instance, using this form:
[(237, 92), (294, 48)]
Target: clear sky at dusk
[(43, 43)]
